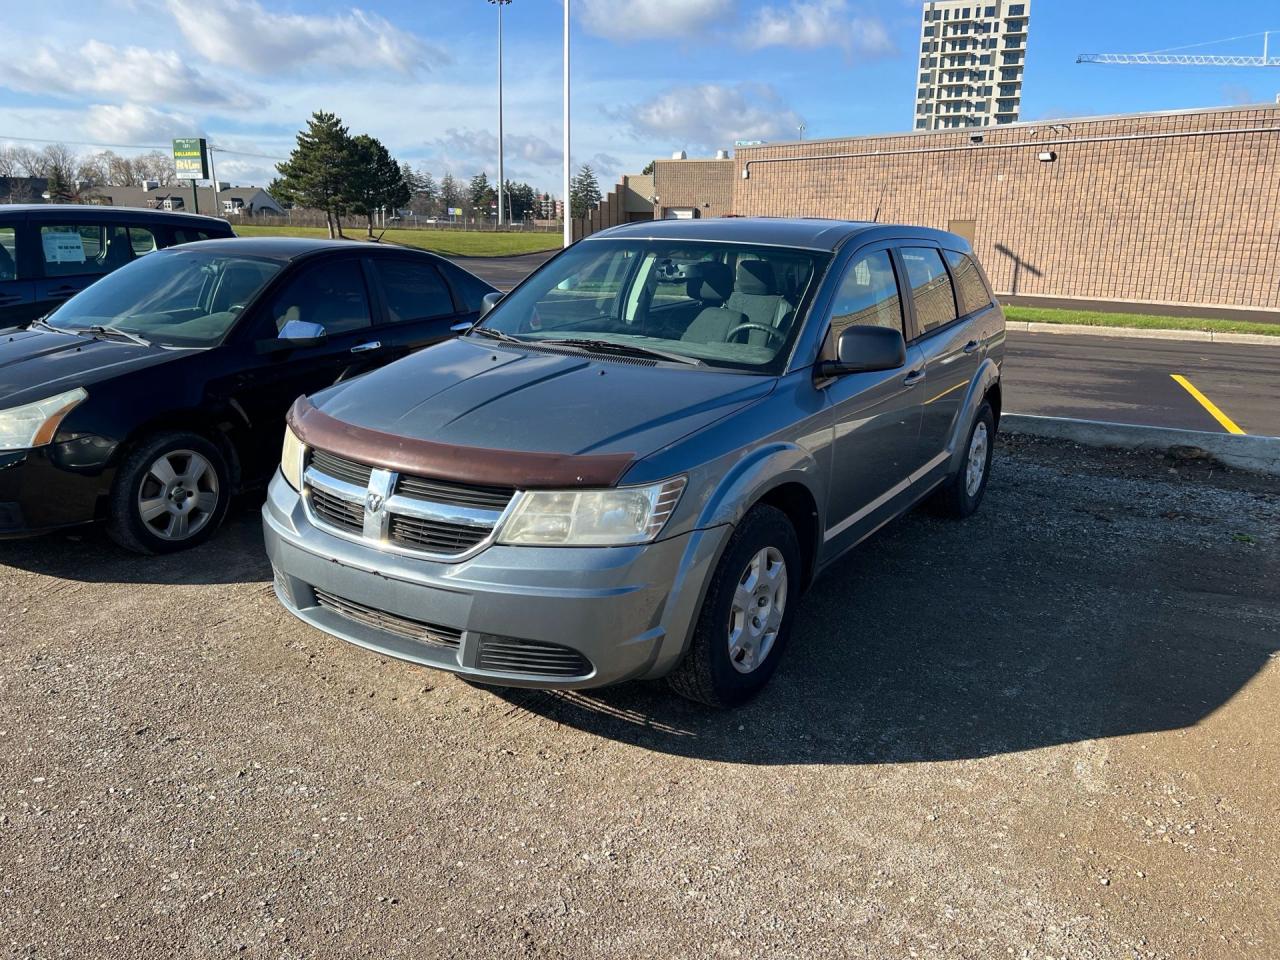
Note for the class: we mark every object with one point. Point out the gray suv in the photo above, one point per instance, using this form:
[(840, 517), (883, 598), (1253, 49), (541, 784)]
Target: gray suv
[(635, 463)]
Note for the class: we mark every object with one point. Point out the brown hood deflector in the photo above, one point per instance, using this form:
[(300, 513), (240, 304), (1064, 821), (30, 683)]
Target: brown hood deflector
[(444, 461)]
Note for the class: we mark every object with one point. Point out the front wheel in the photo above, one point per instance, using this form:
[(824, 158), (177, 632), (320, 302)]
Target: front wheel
[(746, 617), (170, 494), (963, 492)]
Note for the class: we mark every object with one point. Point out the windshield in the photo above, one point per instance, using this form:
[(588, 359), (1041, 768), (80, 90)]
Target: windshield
[(717, 304), (180, 298)]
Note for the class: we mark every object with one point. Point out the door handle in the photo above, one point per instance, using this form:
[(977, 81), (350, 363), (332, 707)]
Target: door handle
[(971, 346), (366, 347), (914, 377)]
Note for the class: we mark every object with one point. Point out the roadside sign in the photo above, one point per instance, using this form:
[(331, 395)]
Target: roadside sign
[(455, 211), (191, 158)]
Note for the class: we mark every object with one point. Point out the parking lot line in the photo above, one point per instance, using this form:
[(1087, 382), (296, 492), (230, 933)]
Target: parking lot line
[(1227, 423)]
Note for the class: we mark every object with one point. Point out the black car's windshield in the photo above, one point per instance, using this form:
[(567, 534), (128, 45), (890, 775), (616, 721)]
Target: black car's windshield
[(179, 298), (722, 304)]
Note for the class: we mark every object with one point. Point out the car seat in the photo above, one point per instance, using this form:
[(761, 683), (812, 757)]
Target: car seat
[(711, 283), (756, 293)]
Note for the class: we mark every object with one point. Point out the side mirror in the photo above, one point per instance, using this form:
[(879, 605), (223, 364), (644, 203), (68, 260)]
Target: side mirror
[(866, 350), (301, 333), (488, 303)]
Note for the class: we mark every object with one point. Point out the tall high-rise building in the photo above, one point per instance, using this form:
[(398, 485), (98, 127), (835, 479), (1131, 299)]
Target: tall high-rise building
[(972, 55)]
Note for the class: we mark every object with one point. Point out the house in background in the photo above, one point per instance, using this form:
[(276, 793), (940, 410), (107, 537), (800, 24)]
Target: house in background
[(233, 202)]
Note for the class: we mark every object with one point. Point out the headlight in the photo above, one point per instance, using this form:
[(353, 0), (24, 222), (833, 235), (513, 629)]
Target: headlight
[(291, 459), (592, 517), (34, 424)]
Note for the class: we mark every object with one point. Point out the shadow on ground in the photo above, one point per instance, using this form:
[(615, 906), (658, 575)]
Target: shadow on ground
[(937, 641), (234, 555)]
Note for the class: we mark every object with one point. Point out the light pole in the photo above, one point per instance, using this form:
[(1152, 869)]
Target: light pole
[(501, 183), (568, 210)]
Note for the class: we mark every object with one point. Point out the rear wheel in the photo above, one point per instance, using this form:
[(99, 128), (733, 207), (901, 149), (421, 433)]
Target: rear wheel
[(746, 617), (963, 492), (171, 493)]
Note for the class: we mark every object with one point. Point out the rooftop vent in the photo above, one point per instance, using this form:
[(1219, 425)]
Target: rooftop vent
[(722, 154), (680, 155), (149, 185)]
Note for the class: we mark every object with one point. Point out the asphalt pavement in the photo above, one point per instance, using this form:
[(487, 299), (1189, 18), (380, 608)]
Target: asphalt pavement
[(1097, 377)]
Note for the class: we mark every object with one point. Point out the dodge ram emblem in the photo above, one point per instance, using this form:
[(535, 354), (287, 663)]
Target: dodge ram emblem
[(373, 502)]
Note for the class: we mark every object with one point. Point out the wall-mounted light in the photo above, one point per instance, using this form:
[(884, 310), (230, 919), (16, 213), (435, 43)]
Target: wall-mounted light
[(1047, 156)]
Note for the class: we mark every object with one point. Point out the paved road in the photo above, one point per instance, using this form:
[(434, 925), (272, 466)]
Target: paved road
[(1130, 381), (1097, 378)]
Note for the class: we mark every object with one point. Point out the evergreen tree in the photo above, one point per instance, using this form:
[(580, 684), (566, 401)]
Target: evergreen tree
[(584, 192), (480, 194), (321, 168), (425, 192), (378, 180), (450, 193)]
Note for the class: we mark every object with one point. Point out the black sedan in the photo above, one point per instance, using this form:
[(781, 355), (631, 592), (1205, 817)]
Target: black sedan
[(149, 399)]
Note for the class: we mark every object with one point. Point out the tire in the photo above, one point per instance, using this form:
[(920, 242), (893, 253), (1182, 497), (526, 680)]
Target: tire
[(962, 494), (153, 511), (714, 671)]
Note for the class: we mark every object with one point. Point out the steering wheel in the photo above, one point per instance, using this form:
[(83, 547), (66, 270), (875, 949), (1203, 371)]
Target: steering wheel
[(771, 331)]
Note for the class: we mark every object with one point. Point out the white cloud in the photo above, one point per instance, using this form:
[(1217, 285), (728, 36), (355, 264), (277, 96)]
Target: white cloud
[(242, 34), (135, 123), (467, 149), (99, 69), (712, 116), (812, 24), (672, 20)]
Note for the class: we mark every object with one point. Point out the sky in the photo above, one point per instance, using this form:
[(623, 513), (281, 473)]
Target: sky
[(650, 77)]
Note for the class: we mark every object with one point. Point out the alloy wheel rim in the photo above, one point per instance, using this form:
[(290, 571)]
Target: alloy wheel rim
[(755, 615), (976, 468), (178, 495)]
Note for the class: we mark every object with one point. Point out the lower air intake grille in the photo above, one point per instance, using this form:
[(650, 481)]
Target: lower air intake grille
[(431, 633), (509, 655)]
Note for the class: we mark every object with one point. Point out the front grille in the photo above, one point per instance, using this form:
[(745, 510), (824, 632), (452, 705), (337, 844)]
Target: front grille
[(337, 512), (341, 505), (435, 536), (341, 468), (418, 630), (511, 655), (455, 494)]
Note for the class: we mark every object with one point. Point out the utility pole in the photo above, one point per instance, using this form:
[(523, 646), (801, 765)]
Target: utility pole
[(213, 175), (501, 179), (568, 220)]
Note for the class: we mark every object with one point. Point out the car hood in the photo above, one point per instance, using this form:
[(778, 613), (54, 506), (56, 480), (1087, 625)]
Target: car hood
[(35, 364), (473, 393)]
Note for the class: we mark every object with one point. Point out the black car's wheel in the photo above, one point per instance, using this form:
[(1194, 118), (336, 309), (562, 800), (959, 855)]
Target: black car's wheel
[(962, 494), (747, 614), (170, 493)]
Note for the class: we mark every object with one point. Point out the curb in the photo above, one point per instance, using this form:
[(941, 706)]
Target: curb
[(1139, 333), (1255, 454)]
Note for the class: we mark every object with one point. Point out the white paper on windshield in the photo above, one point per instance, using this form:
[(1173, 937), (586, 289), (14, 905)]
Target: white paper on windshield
[(63, 247)]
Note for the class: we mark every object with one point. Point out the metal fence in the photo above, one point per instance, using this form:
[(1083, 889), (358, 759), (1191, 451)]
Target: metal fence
[(315, 218)]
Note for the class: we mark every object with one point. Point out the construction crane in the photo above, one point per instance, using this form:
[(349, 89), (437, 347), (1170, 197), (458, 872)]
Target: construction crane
[(1191, 59)]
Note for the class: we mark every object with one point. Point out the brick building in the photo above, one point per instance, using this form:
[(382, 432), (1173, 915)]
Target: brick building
[(1178, 208)]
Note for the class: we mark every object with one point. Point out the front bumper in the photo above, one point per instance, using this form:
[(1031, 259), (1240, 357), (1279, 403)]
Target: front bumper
[(626, 612), (49, 488)]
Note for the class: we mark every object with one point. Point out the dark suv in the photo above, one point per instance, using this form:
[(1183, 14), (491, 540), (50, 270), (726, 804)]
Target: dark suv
[(50, 252), (638, 460)]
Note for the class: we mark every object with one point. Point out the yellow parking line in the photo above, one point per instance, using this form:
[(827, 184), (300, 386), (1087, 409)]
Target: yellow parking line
[(1227, 423)]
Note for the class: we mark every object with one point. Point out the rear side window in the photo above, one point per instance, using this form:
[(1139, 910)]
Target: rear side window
[(868, 296), (331, 294), (970, 290), (8, 254), (930, 287), (414, 291), (143, 241), (77, 249), (186, 235)]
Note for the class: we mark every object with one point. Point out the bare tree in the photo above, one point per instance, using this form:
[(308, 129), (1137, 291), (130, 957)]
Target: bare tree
[(95, 168), (30, 163), (121, 171), (8, 162), (60, 161), (156, 165)]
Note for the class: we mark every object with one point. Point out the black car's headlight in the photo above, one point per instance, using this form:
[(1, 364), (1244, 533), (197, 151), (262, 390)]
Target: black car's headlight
[(34, 424), (592, 518)]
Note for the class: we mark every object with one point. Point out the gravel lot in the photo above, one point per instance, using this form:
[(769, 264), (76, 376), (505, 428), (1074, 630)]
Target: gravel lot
[(1050, 731)]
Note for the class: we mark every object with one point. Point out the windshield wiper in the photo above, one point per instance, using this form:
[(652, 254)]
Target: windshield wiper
[(625, 350), (42, 322), (495, 334), (103, 330)]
